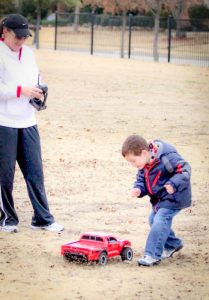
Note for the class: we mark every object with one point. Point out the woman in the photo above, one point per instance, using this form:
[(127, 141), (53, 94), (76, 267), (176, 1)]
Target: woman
[(19, 137)]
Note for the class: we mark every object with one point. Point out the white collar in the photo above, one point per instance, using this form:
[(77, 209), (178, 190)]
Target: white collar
[(6, 50)]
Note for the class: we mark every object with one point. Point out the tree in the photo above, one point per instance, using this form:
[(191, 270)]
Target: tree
[(66, 4), (40, 5), (36, 9), (118, 7), (76, 19), (199, 15), (115, 6), (7, 7), (63, 5), (155, 6), (177, 7), (198, 12), (206, 2)]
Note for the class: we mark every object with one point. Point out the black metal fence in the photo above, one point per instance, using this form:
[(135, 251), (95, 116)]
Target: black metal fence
[(177, 41)]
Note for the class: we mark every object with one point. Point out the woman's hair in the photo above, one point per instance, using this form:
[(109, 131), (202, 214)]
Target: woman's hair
[(134, 144), (2, 26)]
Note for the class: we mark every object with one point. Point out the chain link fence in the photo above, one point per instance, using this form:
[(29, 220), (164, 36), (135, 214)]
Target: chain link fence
[(177, 41)]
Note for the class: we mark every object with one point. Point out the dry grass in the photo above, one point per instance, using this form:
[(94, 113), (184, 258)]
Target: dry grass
[(94, 104)]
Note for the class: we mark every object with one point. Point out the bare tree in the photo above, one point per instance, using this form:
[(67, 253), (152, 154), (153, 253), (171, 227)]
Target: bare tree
[(177, 7), (77, 5), (118, 6), (206, 2), (155, 6), (40, 4), (38, 22), (115, 6), (62, 5), (76, 19)]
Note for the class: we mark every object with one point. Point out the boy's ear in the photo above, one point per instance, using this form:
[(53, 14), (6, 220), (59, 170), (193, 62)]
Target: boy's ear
[(144, 152)]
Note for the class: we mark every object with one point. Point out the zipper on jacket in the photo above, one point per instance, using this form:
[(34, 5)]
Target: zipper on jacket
[(147, 170), (156, 179)]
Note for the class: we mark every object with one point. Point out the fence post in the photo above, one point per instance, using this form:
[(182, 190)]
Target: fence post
[(92, 33), (169, 38), (129, 35), (55, 36)]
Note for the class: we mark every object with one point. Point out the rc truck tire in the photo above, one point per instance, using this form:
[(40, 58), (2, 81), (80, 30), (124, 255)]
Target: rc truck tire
[(66, 257), (127, 254), (102, 259)]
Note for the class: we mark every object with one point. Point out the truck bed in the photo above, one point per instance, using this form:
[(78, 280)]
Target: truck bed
[(84, 245)]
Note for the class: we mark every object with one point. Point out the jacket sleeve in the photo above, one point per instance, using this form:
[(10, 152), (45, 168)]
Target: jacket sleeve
[(140, 183), (181, 172), (7, 91)]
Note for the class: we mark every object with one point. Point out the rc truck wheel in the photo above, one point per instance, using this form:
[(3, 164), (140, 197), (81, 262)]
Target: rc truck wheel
[(102, 259), (127, 254), (66, 257)]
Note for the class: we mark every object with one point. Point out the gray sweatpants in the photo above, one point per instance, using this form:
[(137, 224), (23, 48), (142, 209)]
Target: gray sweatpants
[(22, 145)]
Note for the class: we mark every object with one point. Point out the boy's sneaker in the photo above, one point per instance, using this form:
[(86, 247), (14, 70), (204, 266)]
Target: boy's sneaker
[(169, 252), (148, 261), (9, 228), (55, 227)]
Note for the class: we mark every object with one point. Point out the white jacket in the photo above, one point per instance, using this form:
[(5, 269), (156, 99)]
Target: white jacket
[(16, 70)]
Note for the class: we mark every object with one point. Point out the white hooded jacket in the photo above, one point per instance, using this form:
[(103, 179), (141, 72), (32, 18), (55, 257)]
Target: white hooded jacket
[(16, 70)]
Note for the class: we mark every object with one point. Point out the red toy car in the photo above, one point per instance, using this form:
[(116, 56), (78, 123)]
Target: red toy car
[(98, 247)]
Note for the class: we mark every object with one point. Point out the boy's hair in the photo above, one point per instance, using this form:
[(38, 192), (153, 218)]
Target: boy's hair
[(134, 144), (1, 27)]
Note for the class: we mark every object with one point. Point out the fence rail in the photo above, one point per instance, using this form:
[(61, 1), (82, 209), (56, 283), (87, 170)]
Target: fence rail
[(177, 41)]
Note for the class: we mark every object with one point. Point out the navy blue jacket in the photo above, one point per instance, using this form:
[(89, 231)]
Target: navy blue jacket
[(167, 167)]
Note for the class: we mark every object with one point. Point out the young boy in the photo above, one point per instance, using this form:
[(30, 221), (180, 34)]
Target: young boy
[(165, 176)]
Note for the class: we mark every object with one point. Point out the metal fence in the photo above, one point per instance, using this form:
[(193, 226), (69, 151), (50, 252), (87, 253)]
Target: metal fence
[(178, 41)]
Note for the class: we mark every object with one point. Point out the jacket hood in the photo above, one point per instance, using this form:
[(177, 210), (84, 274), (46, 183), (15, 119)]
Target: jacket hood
[(157, 148)]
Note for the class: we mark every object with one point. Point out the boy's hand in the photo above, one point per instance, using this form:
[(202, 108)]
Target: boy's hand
[(135, 192), (169, 188)]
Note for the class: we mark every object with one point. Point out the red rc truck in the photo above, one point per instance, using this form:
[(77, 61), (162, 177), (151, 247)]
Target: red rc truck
[(97, 247)]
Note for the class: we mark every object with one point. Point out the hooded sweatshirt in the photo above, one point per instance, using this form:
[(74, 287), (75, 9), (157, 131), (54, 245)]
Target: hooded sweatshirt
[(17, 69)]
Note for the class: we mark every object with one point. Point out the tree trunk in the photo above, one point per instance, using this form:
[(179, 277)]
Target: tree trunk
[(123, 35), (206, 2), (76, 18), (180, 8), (60, 7), (156, 31), (18, 4), (38, 24)]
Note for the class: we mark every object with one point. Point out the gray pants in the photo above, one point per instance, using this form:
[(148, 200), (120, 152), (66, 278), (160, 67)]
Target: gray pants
[(22, 145)]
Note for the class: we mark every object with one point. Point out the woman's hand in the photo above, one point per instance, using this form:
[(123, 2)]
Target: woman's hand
[(31, 92), (136, 192)]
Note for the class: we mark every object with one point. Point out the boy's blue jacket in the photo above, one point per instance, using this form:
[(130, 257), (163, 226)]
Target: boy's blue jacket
[(167, 167)]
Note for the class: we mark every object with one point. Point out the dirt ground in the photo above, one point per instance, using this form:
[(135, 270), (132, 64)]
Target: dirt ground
[(94, 104)]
